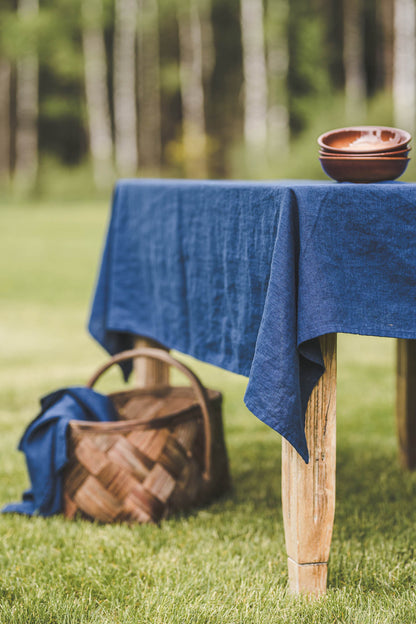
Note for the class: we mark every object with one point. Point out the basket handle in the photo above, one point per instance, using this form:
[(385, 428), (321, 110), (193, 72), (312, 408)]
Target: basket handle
[(198, 388)]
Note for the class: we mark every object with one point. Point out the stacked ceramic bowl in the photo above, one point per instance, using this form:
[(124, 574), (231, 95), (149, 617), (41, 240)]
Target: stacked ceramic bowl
[(364, 153)]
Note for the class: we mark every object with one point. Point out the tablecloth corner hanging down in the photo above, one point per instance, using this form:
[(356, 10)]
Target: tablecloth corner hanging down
[(247, 276)]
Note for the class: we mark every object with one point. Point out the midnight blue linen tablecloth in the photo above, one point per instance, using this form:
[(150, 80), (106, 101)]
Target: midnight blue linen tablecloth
[(247, 276)]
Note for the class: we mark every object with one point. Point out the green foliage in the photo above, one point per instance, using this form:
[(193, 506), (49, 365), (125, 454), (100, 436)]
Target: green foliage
[(21, 34), (56, 108), (63, 183), (170, 78), (308, 62)]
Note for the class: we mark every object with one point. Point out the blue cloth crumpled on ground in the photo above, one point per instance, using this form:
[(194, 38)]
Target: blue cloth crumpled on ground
[(45, 446)]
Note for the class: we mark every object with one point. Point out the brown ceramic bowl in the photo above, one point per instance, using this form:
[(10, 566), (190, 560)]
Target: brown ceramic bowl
[(392, 154), (364, 139), (363, 169)]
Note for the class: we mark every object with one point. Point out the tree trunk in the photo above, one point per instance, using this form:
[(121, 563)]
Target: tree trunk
[(207, 39), (26, 164), (150, 140), (355, 80), (404, 70), (192, 90), (385, 10), (255, 78), (97, 93), (125, 126), (5, 72), (277, 68)]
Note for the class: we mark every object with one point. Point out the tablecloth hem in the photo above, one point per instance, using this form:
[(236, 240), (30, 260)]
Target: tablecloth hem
[(291, 436), (317, 332), (116, 340)]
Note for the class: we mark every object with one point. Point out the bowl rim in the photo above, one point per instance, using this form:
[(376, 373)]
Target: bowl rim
[(406, 138), (389, 154), (365, 158)]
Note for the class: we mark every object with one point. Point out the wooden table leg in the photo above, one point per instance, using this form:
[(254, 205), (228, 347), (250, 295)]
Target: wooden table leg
[(406, 402), (149, 372), (308, 490)]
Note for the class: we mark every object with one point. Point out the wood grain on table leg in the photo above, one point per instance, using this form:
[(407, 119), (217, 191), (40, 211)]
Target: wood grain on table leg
[(149, 372), (406, 402), (308, 490)]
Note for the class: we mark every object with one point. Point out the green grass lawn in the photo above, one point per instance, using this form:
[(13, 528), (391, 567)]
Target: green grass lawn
[(224, 564)]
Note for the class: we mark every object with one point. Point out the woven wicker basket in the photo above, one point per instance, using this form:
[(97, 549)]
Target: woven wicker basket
[(165, 454)]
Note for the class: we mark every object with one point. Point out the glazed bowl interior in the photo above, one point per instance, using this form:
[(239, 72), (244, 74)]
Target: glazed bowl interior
[(364, 139)]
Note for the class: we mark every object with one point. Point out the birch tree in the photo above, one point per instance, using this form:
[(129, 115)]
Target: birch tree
[(404, 70), (124, 72), (99, 123), (255, 76), (207, 40), (148, 68), (5, 72), (192, 89), (355, 79), (27, 93), (385, 15)]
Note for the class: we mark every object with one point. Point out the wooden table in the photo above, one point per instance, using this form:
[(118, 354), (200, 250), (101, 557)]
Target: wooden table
[(321, 264), (308, 490)]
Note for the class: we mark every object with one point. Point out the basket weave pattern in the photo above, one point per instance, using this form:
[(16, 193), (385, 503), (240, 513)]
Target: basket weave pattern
[(150, 463)]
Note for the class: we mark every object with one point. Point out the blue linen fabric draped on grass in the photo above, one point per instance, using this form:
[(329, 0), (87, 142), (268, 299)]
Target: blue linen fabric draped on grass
[(248, 275), (44, 444)]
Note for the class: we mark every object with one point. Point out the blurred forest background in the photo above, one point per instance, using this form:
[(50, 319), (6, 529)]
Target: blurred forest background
[(92, 90)]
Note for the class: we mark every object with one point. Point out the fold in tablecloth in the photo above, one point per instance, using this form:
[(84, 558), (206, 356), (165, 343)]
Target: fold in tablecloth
[(247, 276)]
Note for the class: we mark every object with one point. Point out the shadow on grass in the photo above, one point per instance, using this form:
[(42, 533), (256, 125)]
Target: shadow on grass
[(372, 483), (375, 522), (372, 489), (373, 547)]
